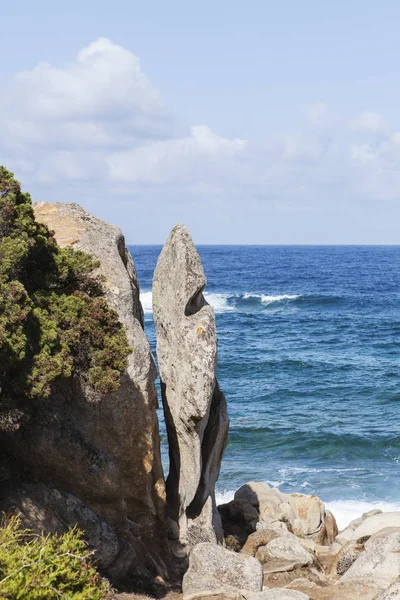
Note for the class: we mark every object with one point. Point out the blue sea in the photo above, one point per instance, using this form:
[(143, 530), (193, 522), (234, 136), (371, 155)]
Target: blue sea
[(309, 360)]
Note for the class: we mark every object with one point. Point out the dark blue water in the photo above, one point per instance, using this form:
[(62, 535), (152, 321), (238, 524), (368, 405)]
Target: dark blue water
[(309, 359)]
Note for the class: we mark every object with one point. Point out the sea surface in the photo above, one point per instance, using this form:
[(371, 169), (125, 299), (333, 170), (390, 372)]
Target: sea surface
[(309, 360)]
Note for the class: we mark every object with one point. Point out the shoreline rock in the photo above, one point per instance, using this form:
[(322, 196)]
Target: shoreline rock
[(104, 450), (194, 406)]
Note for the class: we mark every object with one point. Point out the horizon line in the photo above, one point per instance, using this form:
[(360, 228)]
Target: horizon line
[(284, 245)]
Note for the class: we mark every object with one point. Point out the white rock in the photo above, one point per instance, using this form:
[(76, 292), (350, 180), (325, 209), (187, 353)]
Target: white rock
[(213, 568), (375, 523), (289, 548)]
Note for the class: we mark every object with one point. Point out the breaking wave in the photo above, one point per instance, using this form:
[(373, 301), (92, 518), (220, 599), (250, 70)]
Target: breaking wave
[(227, 302)]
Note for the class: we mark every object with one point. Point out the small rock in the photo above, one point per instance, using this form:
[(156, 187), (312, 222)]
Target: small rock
[(259, 538), (213, 569), (288, 548), (331, 528), (276, 565), (301, 583), (284, 578)]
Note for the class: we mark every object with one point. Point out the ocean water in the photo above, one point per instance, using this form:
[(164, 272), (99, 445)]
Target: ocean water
[(309, 360)]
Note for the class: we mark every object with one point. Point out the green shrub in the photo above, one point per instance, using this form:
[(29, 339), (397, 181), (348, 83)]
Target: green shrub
[(38, 567), (54, 319)]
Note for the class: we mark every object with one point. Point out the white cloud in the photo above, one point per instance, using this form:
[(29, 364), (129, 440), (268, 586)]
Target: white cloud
[(363, 154), (99, 123), (180, 159), (370, 122), (101, 117), (101, 99)]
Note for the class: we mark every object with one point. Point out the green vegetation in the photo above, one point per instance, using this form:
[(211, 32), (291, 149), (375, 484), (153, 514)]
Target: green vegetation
[(54, 319), (38, 567)]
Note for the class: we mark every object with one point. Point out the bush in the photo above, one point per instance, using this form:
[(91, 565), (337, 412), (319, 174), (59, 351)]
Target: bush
[(38, 567), (54, 319)]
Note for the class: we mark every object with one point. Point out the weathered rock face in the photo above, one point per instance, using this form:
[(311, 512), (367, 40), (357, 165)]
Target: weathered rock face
[(102, 449), (123, 558), (195, 408)]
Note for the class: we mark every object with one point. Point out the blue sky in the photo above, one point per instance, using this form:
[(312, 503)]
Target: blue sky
[(256, 122)]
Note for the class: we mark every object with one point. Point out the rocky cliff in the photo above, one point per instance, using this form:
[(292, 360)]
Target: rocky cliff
[(90, 458)]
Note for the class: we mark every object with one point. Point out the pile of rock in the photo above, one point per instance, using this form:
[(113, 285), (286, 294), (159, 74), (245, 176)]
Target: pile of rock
[(288, 547)]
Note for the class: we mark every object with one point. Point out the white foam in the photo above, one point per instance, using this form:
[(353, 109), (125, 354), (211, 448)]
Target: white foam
[(224, 497), (146, 298), (269, 299), (347, 510), (219, 302)]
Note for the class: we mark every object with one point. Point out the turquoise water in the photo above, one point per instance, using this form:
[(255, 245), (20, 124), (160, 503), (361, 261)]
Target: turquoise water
[(309, 360)]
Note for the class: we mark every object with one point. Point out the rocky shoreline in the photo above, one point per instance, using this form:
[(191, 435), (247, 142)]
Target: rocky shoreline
[(298, 551), (93, 460)]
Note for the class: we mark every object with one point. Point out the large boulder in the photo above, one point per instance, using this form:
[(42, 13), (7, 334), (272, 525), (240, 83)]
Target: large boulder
[(305, 516), (376, 523), (213, 569), (286, 548), (195, 408), (239, 518), (259, 538), (103, 449), (347, 534), (379, 564)]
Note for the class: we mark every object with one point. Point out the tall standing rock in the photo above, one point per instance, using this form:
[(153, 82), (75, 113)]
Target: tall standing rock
[(194, 406), (103, 449)]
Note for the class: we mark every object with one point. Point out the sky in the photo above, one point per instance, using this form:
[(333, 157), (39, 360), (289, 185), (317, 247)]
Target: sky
[(257, 122)]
